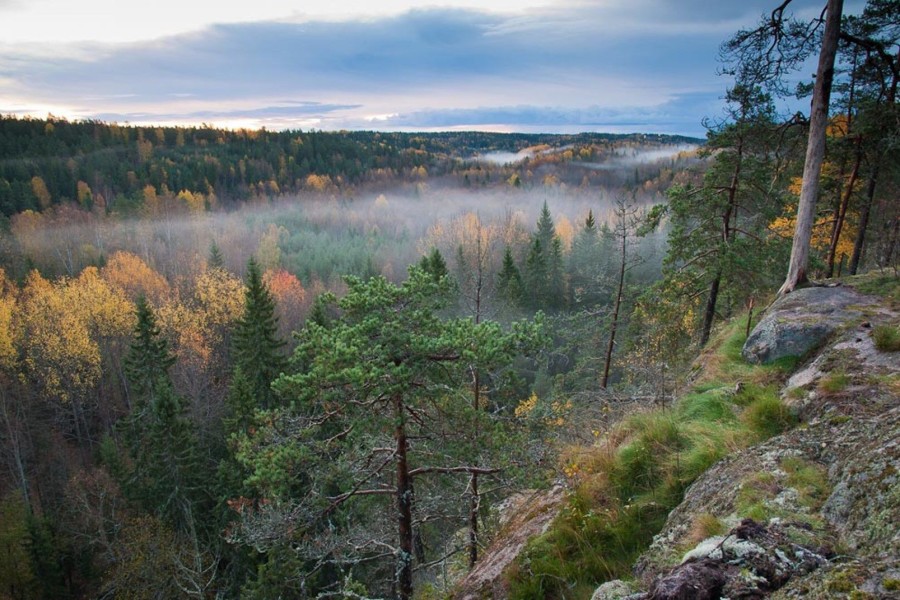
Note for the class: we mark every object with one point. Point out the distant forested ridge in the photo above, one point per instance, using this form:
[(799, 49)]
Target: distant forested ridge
[(45, 162)]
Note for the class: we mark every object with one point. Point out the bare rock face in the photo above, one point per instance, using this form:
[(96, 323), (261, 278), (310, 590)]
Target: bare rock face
[(527, 517), (802, 321)]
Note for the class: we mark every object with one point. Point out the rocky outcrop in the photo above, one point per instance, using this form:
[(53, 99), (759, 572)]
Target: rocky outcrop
[(526, 516), (800, 322), (812, 513)]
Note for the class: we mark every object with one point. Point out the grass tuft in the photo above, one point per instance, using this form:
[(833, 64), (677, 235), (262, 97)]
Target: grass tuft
[(886, 338)]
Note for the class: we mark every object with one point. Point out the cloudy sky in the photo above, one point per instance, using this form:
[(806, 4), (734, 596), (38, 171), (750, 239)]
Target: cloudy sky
[(501, 65)]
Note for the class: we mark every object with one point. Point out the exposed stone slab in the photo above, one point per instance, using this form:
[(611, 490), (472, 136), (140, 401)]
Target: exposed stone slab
[(802, 321)]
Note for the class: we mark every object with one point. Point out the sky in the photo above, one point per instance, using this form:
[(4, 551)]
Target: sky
[(498, 65)]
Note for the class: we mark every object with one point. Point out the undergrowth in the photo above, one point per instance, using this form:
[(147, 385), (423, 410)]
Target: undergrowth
[(625, 486)]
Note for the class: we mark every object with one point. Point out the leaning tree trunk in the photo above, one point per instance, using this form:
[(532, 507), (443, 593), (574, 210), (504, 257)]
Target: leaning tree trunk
[(815, 151), (615, 315)]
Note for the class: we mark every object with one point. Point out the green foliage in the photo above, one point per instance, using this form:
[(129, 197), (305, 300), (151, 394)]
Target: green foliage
[(544, 277), (148, 359), (834, 382), (719, 248), (215, 260), (509, 281), (885, 286), (257, 349), (590, 264), (388, 369), (887, 338), (434, 264)]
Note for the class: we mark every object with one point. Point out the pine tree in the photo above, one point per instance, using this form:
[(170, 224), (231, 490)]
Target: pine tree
[(257, 349)]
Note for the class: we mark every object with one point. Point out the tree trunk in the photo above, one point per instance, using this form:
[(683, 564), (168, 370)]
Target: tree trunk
[(841, 212), (404, 507), (859, 242), (710, 309), (815, 151), (474, 505), (475, 500), (615, 316)]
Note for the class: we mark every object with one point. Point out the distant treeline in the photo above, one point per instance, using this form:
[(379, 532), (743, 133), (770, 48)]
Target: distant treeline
[(44, 162)]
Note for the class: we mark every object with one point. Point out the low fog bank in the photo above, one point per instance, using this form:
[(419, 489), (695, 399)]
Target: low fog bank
[(319, 239), (626, 158)]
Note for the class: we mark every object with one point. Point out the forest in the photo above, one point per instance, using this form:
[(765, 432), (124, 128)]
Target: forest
[(293, 364)]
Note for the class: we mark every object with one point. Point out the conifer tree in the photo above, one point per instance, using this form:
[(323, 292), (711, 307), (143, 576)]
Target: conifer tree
[(166, 475), (257, 350), (434, 264), (216, 260), (586, 264), (509, 280), (544, 276), (148, 360)]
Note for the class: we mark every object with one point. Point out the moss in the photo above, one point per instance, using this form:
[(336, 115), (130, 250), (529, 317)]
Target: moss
[(891, 585), (886, 338), (840, 582), (809, 479)]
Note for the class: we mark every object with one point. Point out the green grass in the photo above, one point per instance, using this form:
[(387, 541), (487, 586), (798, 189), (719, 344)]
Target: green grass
[(835, 382), (628, 484), (879, 284), (886, 338)]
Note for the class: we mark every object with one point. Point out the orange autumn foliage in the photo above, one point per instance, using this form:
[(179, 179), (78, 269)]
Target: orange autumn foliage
[(134, 277)]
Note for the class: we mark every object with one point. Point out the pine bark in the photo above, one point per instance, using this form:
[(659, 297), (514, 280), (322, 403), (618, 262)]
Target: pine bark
[(815, 151), (404, 506)]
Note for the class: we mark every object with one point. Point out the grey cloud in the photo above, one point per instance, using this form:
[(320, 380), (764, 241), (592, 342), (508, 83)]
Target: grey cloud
[(580, 50), (679, 115)]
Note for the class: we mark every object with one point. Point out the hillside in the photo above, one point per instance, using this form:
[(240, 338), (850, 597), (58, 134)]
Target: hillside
[(45, 163), (774, 480)]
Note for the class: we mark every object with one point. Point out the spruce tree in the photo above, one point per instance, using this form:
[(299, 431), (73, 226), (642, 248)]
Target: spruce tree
[(148, 360), (544, 276), (166, 477), (257, 350), (509, 280), (216, 260), (434, 264)]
